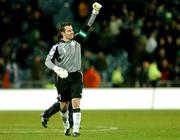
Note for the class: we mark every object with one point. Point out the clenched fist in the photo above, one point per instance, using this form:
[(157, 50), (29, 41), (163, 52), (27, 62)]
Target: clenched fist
[(96, 7)]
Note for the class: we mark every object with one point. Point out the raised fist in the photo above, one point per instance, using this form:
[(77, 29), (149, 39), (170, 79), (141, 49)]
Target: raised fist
[(96, 7)]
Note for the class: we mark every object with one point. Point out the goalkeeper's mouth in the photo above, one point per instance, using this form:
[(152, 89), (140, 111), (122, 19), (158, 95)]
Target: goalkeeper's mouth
[(72, 36)]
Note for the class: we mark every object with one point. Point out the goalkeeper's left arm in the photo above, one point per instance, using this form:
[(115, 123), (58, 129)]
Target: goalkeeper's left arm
[(81, 35)]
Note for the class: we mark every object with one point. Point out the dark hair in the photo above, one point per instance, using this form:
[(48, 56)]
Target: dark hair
[(61, 28)]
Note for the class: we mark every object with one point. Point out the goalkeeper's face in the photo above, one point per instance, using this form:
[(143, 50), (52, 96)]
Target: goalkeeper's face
[(68, 33)]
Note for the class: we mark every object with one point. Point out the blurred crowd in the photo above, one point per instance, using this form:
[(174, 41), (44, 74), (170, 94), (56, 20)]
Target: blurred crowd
[(133, 43)]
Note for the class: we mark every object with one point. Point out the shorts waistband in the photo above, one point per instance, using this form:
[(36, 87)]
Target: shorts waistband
[(78, 71)]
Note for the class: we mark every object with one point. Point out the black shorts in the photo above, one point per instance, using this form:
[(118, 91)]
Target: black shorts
[(70, 87)]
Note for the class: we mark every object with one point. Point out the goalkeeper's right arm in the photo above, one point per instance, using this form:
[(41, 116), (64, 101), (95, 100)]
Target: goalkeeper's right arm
[(49, 63), (81, 35)]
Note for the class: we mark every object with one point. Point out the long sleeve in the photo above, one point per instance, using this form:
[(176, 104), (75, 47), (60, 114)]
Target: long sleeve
[(81, 35), (50, 57)]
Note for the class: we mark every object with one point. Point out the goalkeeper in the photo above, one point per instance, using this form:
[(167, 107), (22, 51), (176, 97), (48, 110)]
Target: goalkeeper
[(64, 59)]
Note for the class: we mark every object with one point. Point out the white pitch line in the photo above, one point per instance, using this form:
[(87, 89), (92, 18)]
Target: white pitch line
[(97, 129)]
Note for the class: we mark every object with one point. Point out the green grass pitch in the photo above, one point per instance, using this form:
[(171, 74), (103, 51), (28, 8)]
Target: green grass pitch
[(95, 125)]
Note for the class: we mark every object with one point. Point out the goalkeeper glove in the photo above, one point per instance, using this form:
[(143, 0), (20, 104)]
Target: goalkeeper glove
[(60, 72), (96, 7)]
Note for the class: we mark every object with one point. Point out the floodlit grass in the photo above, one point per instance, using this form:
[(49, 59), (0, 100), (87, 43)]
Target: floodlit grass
[(95, 125)]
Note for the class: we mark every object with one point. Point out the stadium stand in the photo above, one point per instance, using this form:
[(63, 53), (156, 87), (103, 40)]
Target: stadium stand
[(128, 33)]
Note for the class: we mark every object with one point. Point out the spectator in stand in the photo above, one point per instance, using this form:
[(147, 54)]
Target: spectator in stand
[(142, 74), (2, 70), (91, 77), (117, 77), (115, 25), (23, 59), (170, 48), (12, 69), (6, 49), (87, 58), (37, 71), (101, 65), (4, 74), (80, 10), (160, 56), (165, 71), (151, 43), (153, 73), (176, 69)]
